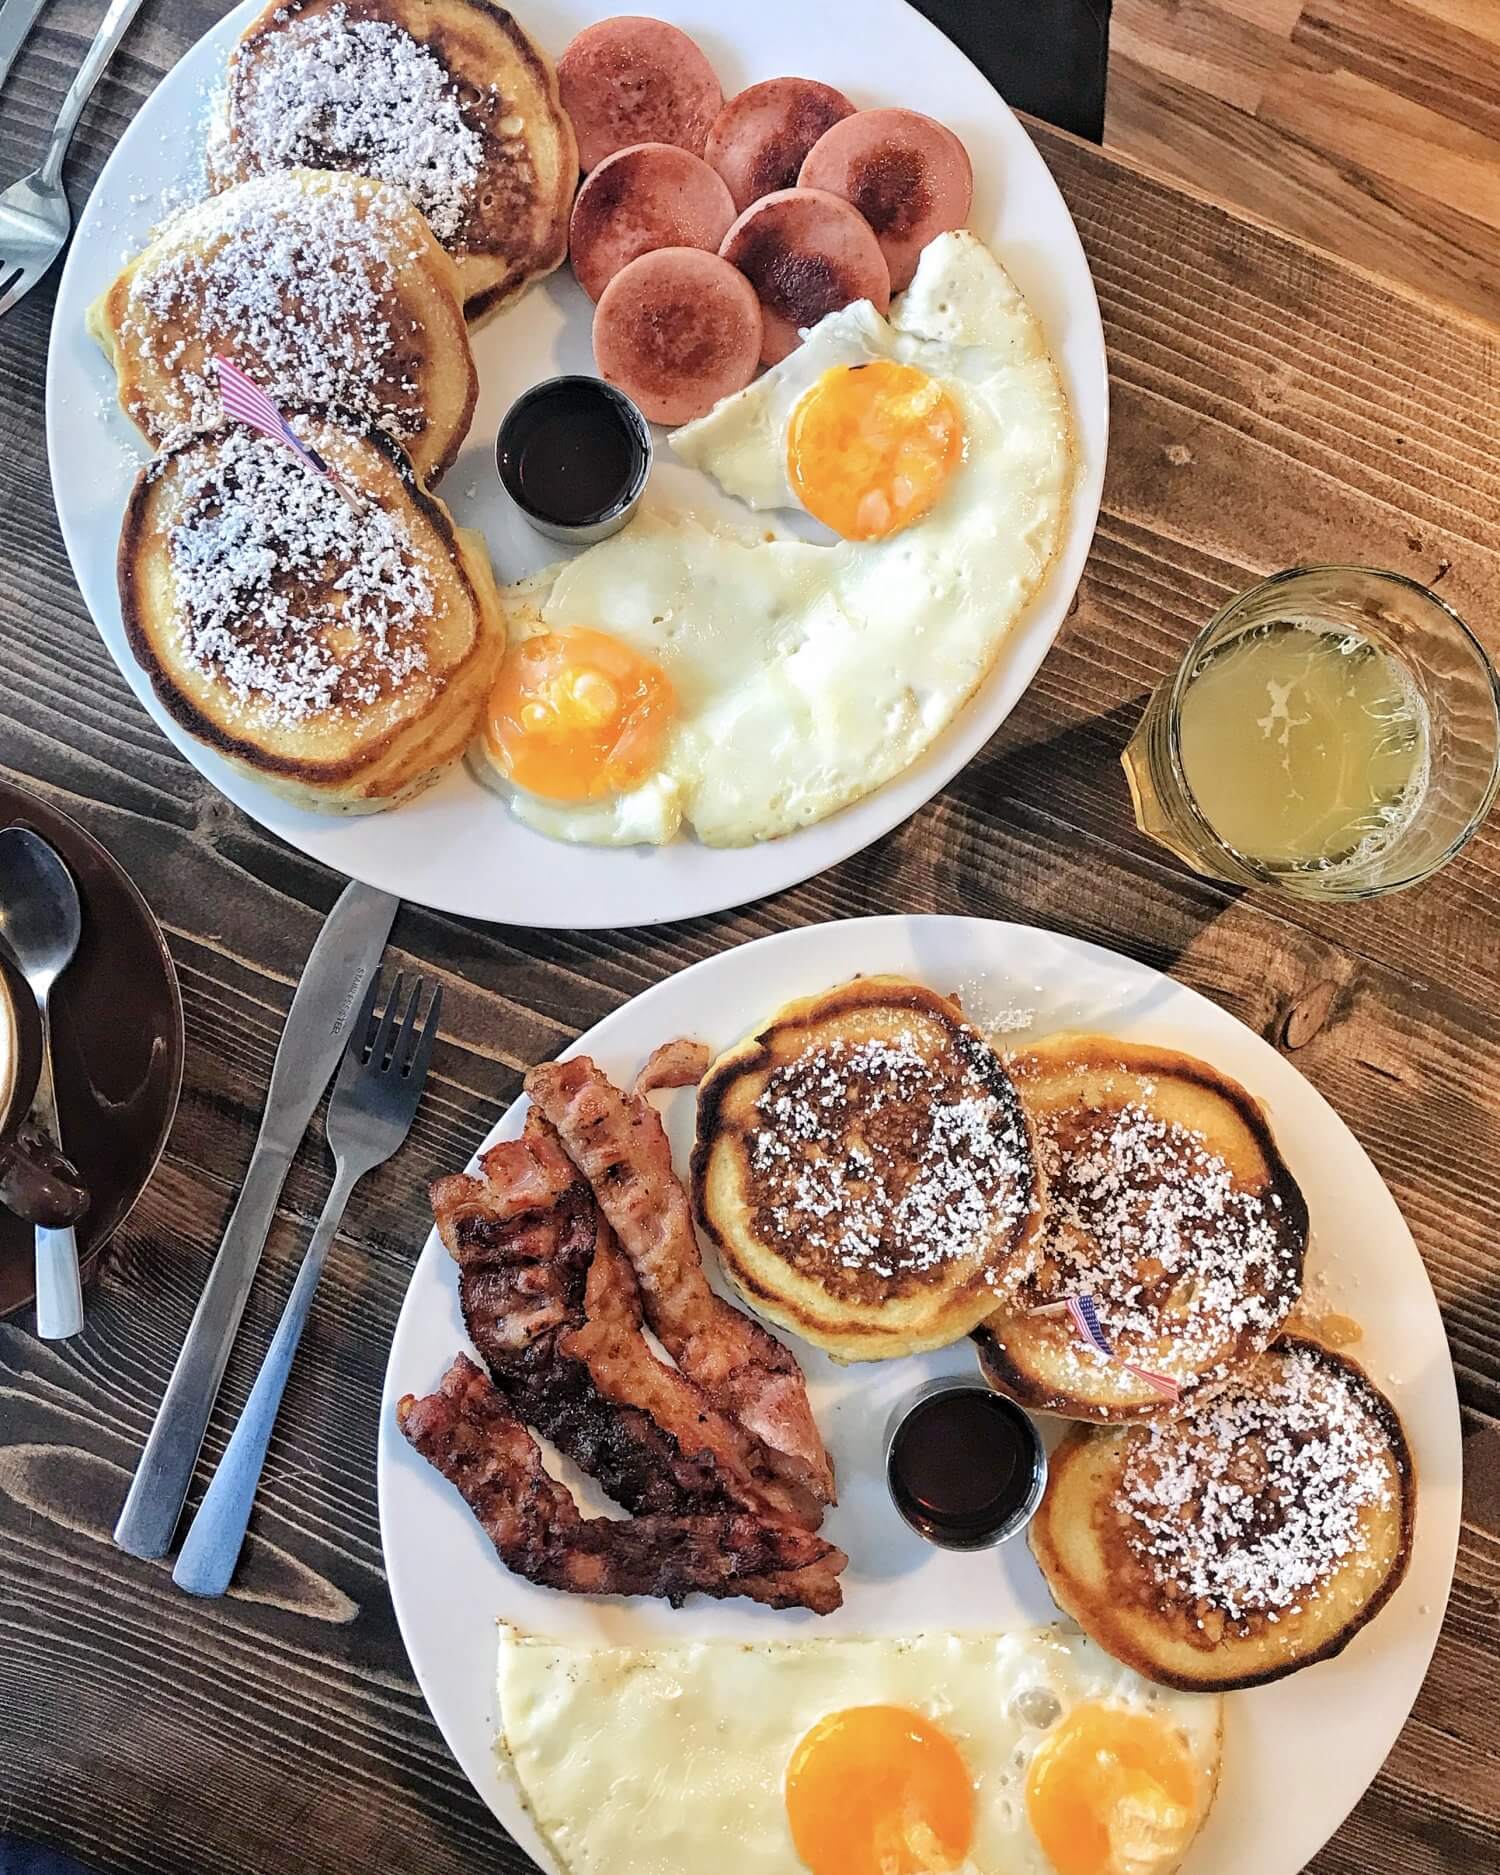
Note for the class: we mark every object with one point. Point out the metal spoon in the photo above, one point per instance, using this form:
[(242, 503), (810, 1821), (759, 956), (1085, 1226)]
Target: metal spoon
[(41, 922)]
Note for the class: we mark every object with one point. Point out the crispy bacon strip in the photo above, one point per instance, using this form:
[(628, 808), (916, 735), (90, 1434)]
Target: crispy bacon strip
[(470, 1432), (523, 1237), (546, 1290), (675, 1064), (624, 1368), (618, 1143)]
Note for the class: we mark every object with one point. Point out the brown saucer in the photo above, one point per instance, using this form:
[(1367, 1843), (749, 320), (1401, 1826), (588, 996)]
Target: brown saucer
[(117, 1044)]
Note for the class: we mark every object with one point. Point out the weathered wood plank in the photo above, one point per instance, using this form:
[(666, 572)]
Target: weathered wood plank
[(1370, 127)]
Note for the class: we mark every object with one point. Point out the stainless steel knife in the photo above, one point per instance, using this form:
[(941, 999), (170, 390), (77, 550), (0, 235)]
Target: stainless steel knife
[(343, 959), (16, 21)]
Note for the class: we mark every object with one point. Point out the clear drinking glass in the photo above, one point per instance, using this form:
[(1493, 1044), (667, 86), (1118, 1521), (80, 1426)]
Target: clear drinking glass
[(1451, 675)]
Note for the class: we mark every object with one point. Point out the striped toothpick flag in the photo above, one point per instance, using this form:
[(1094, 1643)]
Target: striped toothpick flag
[(245, 401), (1085, 1318)]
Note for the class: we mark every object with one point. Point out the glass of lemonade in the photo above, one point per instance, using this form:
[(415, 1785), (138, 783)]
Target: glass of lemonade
[(1334, 731)]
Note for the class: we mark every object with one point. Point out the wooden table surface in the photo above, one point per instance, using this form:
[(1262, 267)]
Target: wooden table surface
[(1270, 406), (1369, 126)]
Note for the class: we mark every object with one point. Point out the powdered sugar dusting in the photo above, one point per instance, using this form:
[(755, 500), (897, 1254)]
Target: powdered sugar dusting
[(1143, 1216), (296, 285), (1247, 1505), (994, 1013), (285, 597), (879, 1163), (331, 92)]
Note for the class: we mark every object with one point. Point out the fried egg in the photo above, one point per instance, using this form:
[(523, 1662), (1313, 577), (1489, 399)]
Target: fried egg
[(949, 414), (789, 677), (1024, 1753)]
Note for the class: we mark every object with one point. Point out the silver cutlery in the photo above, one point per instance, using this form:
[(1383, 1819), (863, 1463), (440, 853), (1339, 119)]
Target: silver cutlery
[(374, 1102), (17, 17), (34, 216), (41, 922), (338, 971)]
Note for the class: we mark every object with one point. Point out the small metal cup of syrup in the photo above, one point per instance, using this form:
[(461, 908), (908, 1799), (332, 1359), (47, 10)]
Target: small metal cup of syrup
[(574, 454), (965, 1466)]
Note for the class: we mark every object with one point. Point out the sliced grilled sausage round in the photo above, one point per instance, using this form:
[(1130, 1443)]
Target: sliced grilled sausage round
[(762, 136), (677, 330), (806, 253), (908, 175), (651, 195), (636, 80)]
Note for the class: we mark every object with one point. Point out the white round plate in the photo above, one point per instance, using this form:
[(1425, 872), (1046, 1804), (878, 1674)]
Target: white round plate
[(1297, 1755), (457, 848)]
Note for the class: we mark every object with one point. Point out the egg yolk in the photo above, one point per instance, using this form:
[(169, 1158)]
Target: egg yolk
[(877, 1790), (1112, 1792), (871, 447), (576, 714)]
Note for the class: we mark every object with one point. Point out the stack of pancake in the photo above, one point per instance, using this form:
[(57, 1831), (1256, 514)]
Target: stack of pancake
[(1235, 1501), (384, 174)]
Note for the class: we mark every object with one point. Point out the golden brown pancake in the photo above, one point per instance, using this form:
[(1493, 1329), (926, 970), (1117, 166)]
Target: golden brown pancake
[(341, 659), (446, 99), (1169, 1204), (865, 1169), (325, 289), (1243, 1541)]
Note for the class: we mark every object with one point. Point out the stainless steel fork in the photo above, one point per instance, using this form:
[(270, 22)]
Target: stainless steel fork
[(374, 1102), (34, 215)]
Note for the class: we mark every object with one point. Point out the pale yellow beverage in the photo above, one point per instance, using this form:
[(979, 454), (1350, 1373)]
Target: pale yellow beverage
[(1303, 746), (1331, 733)]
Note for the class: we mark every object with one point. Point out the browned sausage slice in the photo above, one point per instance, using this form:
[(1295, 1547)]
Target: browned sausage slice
[(806, 253), (652, 195), (677, 330), (760, 138), (908, 175), (636, 80)]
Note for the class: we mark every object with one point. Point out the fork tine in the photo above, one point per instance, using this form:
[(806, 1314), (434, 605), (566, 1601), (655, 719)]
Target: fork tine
[(381, 1041), (422, 1058), (402, 1047), (369, 1018), (360, 1034), (357, 1047), (15, 289)]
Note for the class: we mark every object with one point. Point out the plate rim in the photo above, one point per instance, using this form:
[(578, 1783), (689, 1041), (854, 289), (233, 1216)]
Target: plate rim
[(390, 1447), (873, 816)]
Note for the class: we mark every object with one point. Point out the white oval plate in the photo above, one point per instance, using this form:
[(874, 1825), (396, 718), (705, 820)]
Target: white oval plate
[(1297, 1755), (457, 848)]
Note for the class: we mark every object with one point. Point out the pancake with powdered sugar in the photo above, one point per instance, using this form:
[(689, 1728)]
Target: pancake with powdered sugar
[(865, 1169), (1249, 1538), (1170, 1207), (448, 100)]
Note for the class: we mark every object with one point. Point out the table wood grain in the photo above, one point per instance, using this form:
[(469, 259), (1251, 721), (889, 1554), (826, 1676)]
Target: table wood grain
[(1369, 126), (1271, 405)]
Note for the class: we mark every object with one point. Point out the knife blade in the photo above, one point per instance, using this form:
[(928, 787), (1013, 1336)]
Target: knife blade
[(17, 18), (334, 979)]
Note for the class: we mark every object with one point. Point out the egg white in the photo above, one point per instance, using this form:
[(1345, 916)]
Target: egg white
[(809, 673), (964, 322), (672, 1760)]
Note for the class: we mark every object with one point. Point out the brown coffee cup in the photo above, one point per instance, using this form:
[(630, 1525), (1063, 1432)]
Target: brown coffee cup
[(36, 1181)]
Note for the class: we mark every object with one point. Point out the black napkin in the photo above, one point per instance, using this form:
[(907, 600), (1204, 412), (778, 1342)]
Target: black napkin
[(1043, 56), (30, 1858)]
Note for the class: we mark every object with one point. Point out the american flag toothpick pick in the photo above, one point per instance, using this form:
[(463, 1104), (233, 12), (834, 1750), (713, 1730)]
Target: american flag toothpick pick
[(1085, 1319), (244, 400)]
